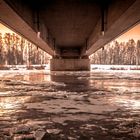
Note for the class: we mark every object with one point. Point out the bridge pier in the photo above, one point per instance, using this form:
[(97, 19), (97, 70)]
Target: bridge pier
[(69, 64)]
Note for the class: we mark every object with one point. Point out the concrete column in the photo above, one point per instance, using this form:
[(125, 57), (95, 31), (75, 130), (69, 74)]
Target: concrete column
[(69, 64)]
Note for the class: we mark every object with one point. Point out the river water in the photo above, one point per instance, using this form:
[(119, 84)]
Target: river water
[(96, 105)]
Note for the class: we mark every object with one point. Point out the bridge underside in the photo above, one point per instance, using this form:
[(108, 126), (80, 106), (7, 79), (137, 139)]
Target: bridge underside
[(70, 30)]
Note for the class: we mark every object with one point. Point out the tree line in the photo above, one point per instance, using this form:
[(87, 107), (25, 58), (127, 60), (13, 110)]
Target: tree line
[(118, 53), (16, 50)]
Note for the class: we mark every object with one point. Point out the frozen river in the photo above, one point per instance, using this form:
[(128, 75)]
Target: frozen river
[(96, 105)]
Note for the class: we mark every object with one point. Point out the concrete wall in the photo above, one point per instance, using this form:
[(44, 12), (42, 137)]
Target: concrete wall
[(69, 64)]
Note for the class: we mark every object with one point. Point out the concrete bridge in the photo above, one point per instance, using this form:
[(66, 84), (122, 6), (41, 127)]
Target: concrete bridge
[(70, 30)]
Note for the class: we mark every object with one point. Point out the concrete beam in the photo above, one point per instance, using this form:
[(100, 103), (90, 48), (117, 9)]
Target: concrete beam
[(116, 26), (13, 20)]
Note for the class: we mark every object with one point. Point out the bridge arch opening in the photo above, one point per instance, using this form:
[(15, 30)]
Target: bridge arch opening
[(123, 50), (18, 52)]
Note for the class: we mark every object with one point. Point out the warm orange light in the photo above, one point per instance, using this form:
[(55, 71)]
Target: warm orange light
[(4, 29), (133, 33)]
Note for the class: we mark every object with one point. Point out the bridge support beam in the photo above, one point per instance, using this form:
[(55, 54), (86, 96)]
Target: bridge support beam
[(69, 64)]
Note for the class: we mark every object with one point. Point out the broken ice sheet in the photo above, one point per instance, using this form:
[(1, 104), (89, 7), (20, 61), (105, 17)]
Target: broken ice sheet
[(58, 100)]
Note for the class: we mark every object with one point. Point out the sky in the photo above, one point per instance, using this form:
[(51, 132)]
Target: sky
[(4, 29), (132, 33)]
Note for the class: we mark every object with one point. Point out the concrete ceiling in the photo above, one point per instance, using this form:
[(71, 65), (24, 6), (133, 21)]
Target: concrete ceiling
[(69, 21)]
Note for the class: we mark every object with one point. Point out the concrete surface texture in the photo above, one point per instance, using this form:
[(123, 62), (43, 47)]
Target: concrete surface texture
[(69, 64)]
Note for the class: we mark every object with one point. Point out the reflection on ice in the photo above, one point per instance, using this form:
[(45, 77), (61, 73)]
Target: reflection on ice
[(127, 102), (5, 93), (40, 77), (26, 75), (11, 104)]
